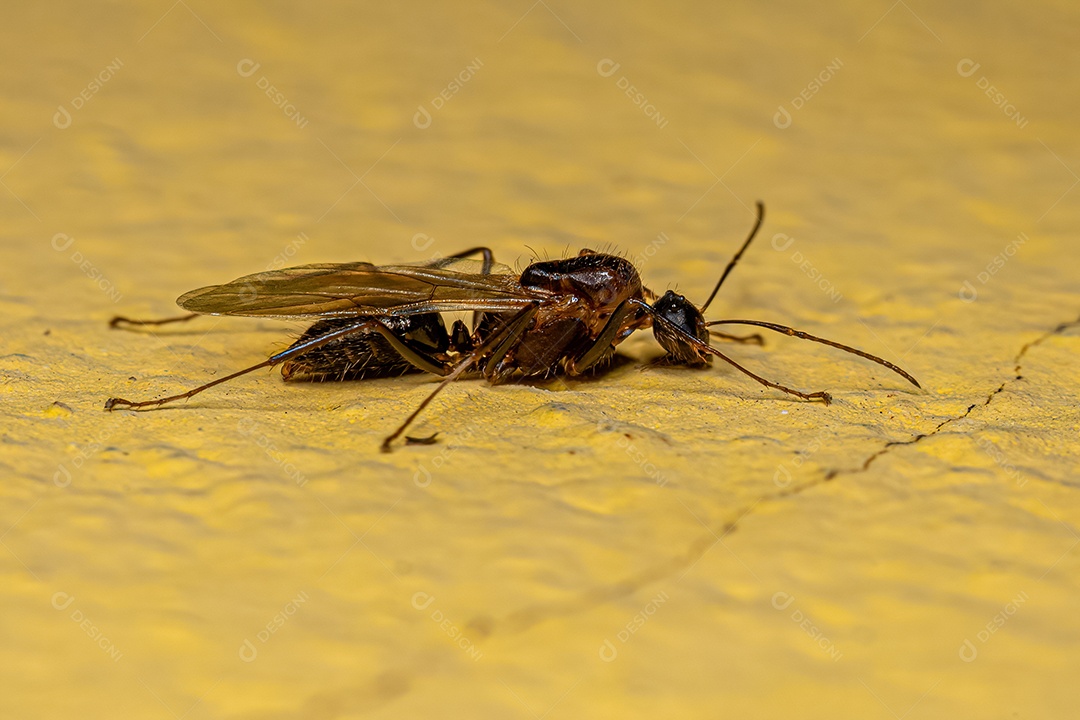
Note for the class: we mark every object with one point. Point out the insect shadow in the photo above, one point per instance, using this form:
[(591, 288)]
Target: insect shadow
[(556, 316)]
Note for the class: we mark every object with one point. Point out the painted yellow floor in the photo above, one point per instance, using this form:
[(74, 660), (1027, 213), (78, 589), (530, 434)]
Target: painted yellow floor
[(656, 543)]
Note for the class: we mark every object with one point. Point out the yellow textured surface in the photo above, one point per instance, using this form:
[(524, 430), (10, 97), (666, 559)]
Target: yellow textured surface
[(649, 544)]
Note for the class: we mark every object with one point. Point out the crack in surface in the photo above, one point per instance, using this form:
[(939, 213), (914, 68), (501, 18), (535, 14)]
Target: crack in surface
[(530, 616), (1061, 327)]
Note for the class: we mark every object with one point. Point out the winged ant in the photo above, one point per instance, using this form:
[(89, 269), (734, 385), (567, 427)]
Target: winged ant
[(563, 315)]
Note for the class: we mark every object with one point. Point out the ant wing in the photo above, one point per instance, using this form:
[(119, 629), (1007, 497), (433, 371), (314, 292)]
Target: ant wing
[(360, 288)]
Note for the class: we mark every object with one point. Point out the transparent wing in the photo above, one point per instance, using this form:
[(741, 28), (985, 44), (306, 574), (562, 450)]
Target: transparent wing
[(352, 289)]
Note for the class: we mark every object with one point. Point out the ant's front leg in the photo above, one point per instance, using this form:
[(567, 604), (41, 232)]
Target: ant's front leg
[(614, 331)]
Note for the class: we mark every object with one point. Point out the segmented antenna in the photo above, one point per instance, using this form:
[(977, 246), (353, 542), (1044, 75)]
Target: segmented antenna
[(734, 260)]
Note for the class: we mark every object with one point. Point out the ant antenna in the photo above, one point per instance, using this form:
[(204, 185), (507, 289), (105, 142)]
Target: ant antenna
[(785, 330), (731, 265)]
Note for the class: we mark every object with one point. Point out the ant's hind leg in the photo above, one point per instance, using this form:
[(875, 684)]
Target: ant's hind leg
[(487, 257), (119, 321), (496, 346), (297, 350)]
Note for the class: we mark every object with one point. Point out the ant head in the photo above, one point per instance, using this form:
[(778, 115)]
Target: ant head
[(684, 315), (679, 312)]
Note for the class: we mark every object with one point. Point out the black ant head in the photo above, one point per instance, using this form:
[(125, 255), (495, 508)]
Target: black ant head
[(680, 313), (684, 315)]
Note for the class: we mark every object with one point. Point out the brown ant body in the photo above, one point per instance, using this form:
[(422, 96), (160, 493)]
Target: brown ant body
[(561, 315)]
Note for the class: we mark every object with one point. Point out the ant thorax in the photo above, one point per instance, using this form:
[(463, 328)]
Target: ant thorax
[(602, 281)]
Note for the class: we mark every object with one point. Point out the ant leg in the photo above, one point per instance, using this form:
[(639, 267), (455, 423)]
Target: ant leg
[(807, 336), (705, 347), (488, 261), (121, 321), (500, 341), (605, 342), (424, 363), (485, 253), (754, 339)]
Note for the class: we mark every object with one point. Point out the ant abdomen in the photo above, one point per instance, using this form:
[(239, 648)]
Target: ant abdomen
[(363, 354)]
